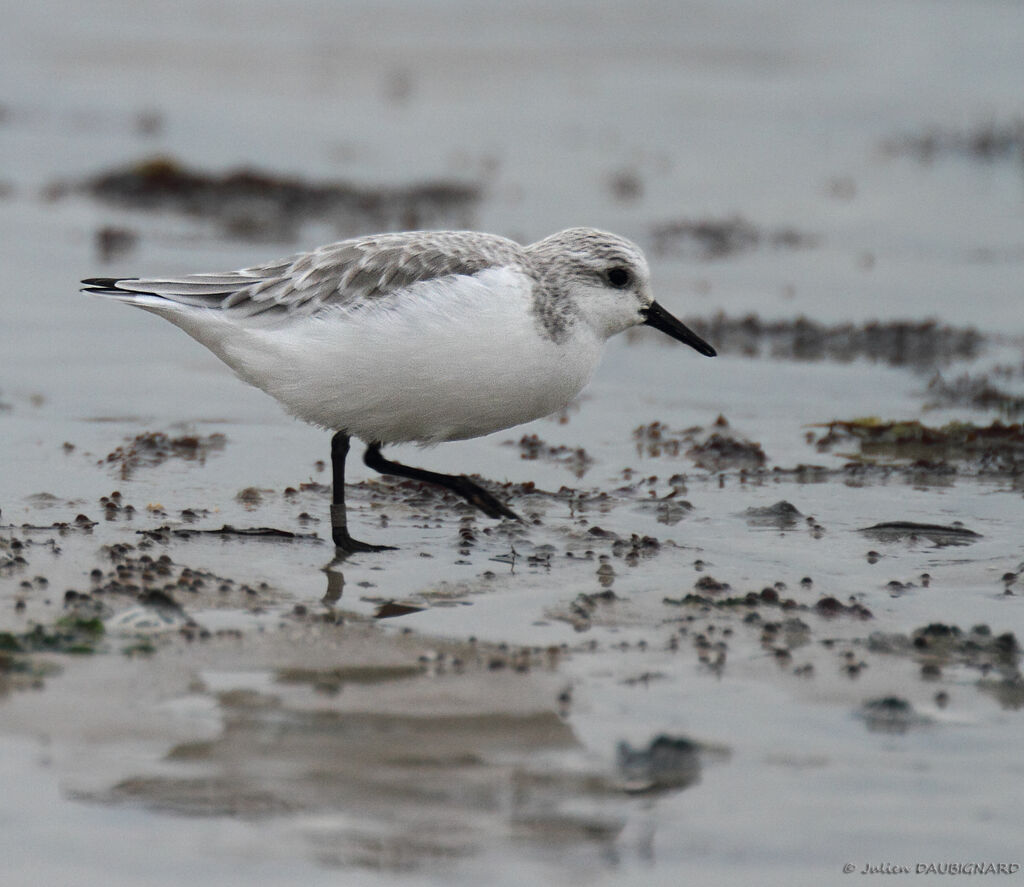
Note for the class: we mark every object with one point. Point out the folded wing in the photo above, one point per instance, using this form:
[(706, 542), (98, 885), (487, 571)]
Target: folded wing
[(342, 274)]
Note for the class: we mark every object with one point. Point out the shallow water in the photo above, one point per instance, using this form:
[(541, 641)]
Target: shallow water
[(277, 729)]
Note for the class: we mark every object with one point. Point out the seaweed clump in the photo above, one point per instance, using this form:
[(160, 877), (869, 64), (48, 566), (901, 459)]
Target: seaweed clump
[(716, 449), (994, 449), (255, 204), (152, 448), (920, 345)]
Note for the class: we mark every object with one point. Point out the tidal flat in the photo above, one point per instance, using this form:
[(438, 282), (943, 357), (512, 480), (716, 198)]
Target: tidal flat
[(763, 618)]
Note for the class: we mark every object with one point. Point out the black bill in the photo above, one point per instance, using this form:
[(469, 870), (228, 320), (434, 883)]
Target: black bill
[(660, 319)]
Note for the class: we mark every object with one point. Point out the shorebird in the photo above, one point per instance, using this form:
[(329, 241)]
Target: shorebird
[(424, 336)]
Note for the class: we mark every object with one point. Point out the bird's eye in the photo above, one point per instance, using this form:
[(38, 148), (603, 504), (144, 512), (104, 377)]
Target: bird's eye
[(618, 277)]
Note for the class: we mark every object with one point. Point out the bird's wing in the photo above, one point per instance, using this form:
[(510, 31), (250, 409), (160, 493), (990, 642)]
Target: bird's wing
[(342, 274)]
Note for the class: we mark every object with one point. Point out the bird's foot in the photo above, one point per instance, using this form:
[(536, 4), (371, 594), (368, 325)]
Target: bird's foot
[(480, 498), (345, 544)]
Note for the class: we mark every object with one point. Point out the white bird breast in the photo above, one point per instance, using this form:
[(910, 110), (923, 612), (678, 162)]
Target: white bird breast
[(445, 359)]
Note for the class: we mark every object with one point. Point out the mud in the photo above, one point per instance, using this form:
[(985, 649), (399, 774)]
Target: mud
[(783, 515), (669, 762), (714, 239), (986, 142), (891, 714), (715, 449), (706, 599), (918, 345), (165, 532), (938, 645), (115, 243), (938, 535), (713, 651), (253, 204), (70, 634), (152, 448), (531, 447), (974, 392), (341, 721), (995, 450)]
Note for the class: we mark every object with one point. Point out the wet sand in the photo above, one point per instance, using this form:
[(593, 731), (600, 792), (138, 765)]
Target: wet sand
[(763, 618)]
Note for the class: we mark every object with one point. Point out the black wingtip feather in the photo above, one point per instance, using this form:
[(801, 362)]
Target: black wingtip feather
[(104, 284)]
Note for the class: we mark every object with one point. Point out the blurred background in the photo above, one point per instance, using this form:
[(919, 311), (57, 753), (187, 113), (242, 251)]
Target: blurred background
[(844, 163), (814, 164)]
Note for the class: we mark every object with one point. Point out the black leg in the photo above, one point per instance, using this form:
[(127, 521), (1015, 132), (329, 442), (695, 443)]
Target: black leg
[(343, 542), (458, 484)]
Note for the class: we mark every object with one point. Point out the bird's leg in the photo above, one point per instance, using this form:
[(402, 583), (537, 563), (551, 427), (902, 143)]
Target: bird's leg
[(343, 542), (458, 484)]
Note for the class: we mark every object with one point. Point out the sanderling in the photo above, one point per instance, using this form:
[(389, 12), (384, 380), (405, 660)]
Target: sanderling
[(421, 336)]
